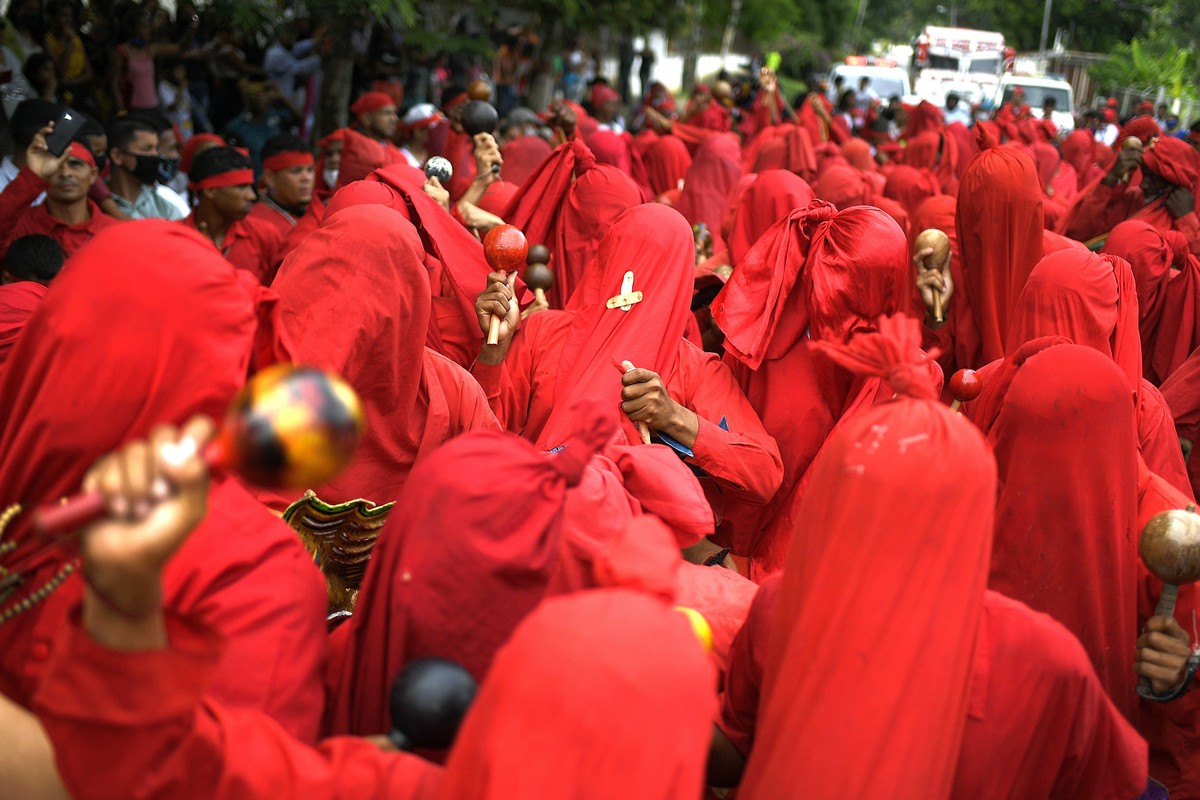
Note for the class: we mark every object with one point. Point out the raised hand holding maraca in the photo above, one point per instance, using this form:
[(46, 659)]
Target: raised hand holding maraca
[(498, 301), (931, 255), (156, 493)]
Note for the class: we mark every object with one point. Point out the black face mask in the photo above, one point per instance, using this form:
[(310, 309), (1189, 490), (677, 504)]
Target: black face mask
[(146, 168), (101, 161), (168, 168)]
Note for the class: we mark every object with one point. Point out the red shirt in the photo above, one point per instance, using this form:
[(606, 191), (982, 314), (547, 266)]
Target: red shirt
[(291, 228), (253, 245), (18, 218)]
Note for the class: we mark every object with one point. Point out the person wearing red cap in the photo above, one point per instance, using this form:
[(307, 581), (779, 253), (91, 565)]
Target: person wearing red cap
[(706, 112), (67, 215), (289, 203), (376, 117), (1164, 197), (195, 146), (223, 185)]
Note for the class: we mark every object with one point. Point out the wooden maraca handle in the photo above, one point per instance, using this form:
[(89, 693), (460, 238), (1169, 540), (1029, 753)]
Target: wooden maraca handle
[(540, 295), (494, 330), (1166, 601), (87, 507), (937, 305)]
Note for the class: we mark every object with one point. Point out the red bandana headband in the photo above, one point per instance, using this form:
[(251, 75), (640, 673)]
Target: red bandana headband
[(238, 177), (281, 161)]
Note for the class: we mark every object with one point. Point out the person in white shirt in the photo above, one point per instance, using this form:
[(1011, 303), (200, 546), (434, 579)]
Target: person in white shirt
[(955, 111)]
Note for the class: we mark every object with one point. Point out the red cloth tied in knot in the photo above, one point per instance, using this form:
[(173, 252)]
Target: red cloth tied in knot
[(595, 426), (892, 352)]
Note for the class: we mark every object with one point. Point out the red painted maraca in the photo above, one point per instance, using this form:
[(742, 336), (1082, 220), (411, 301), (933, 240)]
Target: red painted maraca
[(965, 386), (289, 427), (939, 242), (1170, 549), (506, 251), (538, 275)]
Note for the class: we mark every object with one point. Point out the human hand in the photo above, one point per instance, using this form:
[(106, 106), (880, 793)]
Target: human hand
[(488, 159), (498, 300), (39, 159), (1180, 201), (933, 282), (644, 398), (1162, 654), (433, 188)]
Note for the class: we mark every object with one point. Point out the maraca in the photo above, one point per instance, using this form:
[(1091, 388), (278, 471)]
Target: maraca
[(429, 699), (538, 275), (440, 168), (1131, 143), (940, 243), (479, 90), (1170, 549), (506, 250), (289, 427), (479, 117), (964, 385)]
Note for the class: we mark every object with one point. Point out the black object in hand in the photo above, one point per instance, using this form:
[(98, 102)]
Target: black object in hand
[(430, 698)]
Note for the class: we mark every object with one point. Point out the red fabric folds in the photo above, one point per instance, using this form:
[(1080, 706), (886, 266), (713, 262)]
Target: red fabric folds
[(999, 220), (825, 688), (667, 162), (774, 194), (1068, 411), (716, 168), (458, 597), (522, 157), (355, 301), (17, 302), (568, 204), (550, 693)]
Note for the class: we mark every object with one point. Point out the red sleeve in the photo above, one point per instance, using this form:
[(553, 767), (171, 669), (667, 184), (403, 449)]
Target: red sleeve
[(743, 459), (14, 200), (137, 725), (509, 385), (1189, 226), (467, 403), (744, 675), (1098, 211), (1158, 441)]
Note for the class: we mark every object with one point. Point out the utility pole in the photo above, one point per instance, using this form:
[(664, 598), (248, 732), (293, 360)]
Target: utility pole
[(858, 23), (1045, 26)]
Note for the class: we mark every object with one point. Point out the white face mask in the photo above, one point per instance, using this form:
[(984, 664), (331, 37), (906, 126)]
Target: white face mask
[(330, 176)]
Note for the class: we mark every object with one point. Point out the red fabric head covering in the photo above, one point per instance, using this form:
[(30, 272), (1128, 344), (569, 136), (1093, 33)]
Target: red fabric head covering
[(774, 194), (936, 212), (1168, 299), (828, 680), (362, 155), (1173, 160), (371, 101), (1144, 128), (193, 144), (910, 187), (1068, 412), (844, 186), (1045, 159), (551, 693), (111, 353), (458, 596), (17, 302), (818, 273), (925, 118), (1182, 393), (965, 143), (601, 94), (1086, 297), (1000, 221), (858, 155), (667, 163), (654, 243), (568, 205), (522, 156), (355, 301), (1078, 150), (938, 153), (783, 147), (715, 171), (617, 150), (454, 257)]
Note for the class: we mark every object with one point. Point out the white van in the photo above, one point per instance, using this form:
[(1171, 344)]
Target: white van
[(1036, 92), (886, 79)]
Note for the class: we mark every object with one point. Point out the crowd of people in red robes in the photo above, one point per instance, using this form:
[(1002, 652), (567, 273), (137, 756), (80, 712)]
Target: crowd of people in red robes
[(709, 518)]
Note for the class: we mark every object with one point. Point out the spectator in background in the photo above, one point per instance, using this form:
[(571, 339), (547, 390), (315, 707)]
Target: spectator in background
[(174, 98), (15, 88), (504, 75), (135, 163), (955, 111), (135, 87), (286, 60), (28, 118), (23, 34), (36, 258), (646, 69), (65, 47), (229, 68), (172, 184), (42, 76), (417, 127), (1164, 112), (260, 121)]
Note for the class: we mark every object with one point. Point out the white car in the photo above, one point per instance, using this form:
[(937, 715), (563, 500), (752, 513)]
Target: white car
[(886, 79), (1036, 92)]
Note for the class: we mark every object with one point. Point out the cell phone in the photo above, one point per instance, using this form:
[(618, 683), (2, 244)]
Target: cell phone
[(66, 126)]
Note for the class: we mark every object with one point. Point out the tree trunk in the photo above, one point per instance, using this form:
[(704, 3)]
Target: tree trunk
[(691, 50), (337, 78)]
